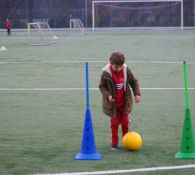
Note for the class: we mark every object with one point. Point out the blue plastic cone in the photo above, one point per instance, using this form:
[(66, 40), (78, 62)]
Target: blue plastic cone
[(88, 148)]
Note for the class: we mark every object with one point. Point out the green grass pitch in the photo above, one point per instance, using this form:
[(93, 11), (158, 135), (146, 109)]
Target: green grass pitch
[(41, 131)]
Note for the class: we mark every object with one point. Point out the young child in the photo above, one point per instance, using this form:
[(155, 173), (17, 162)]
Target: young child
[(116, 81), (8, 27)]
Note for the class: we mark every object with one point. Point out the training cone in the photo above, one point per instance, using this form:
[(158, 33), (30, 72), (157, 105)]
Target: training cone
[(3, 48), (88, 148), (187, 145)]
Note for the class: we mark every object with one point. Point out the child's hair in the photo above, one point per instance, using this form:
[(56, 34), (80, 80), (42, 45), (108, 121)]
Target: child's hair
[(117, 58)]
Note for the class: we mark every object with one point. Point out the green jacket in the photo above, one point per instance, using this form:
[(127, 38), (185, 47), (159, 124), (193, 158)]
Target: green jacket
[(107, 87)]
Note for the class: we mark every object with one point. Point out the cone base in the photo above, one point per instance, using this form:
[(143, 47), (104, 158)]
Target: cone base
[(81, 156), (180, 155)]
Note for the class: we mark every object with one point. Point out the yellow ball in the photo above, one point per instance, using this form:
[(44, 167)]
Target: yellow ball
[(132, 141)]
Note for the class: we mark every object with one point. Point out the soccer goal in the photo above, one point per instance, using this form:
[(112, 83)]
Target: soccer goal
[(77, 27), (40, 34), (144, 14)]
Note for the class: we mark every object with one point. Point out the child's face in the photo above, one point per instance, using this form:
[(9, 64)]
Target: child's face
[(116, 68)]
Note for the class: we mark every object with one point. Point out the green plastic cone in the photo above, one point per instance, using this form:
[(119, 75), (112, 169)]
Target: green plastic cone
[(187, 145)]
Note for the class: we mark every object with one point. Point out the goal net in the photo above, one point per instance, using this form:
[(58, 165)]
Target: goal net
[(76, 27), (153, 14), (39, 33)]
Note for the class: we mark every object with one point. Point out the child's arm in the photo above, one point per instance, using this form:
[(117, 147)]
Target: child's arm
[(137, 98), (103, 88), (134, 85)]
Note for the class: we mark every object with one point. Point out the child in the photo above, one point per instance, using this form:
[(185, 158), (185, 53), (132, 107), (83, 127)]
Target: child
[(8, 27), (116, 81)]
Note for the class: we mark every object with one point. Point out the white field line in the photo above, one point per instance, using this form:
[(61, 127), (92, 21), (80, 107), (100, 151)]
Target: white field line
[(79, 89), (163, 168), (97, 61)]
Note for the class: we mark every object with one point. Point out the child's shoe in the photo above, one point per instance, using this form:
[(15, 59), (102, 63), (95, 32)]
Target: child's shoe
[(115, 147)]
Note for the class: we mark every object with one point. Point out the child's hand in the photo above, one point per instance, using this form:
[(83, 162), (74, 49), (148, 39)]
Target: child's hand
[(110, 99), (137, 98)]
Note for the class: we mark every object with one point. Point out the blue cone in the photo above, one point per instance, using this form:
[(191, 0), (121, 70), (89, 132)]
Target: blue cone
[(88, 148)]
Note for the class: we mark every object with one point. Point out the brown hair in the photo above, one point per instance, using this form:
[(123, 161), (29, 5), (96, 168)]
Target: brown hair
[(117, 58)]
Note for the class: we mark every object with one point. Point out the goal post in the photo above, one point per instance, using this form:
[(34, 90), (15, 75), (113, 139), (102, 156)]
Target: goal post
[(150, 6), (77, 27), (40, 33)]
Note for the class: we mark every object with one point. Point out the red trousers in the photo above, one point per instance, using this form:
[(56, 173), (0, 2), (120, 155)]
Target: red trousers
[(122, 119)]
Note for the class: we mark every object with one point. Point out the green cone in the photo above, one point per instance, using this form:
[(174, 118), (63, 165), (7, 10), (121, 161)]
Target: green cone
[(187, 145)]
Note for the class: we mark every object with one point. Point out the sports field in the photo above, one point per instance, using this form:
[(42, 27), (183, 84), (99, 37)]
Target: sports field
[(42, 101)]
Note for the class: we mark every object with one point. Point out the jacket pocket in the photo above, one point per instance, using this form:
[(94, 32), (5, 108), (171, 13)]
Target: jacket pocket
[(128, 102), (107, 105)]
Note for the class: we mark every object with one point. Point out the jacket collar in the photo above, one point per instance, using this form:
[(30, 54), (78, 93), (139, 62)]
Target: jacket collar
[(107, 70)]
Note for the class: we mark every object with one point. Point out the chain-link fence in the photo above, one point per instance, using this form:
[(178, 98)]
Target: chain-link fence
[(59, 12)]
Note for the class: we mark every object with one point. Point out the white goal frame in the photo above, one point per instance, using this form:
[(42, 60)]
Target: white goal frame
[(77, 27), (117, 1), (41, 33)]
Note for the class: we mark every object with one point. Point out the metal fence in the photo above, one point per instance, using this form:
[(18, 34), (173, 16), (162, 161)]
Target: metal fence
[(59, 12)]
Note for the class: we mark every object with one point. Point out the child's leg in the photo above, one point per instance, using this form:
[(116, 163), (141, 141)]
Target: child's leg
[(114, 124), (125, 123)]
